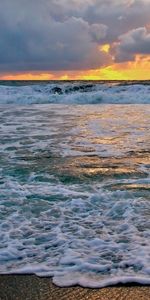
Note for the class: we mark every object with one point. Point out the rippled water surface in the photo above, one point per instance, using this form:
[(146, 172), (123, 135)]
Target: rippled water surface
[(75, 192)]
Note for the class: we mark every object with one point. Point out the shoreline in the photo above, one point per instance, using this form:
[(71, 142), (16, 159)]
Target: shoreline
[(31, 287)]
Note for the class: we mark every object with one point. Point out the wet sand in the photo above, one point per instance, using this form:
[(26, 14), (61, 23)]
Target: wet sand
[(30, 287)]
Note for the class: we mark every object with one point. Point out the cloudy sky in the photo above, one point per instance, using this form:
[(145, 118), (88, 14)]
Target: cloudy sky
[(87, 39)]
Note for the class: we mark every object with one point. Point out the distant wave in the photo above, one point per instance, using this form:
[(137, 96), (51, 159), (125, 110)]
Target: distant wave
[(75, 93)]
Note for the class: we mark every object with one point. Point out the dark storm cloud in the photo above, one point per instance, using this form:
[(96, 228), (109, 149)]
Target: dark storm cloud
[(131, 43), (119, 15), (63, 34)]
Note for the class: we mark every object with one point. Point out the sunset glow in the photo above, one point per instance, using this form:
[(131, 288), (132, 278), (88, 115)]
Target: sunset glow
[(105, 48), (137, 70), (90, 40)]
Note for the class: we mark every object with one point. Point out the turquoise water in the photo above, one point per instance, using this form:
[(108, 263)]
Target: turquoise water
[(74, 200)]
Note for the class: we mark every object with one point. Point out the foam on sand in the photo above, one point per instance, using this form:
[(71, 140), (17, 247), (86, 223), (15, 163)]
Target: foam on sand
[(74, 201)]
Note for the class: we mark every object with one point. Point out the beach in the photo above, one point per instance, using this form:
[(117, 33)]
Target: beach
[(28, 287), (75, 150)]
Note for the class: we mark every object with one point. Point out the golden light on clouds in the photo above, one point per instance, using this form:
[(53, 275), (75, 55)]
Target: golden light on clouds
[(27, 76), (75, 39), (136, 70), (105, 48)]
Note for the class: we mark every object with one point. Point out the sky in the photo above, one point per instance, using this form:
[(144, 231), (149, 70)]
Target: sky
[(75, 39)]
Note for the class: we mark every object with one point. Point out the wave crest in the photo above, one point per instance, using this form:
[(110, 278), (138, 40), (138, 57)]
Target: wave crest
[(75, 93)]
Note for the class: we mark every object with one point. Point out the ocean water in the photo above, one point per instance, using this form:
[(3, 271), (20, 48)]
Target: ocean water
[(75, 181)]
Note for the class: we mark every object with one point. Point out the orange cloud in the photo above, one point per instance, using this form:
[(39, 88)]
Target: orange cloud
[(137, 70), (28, 76)]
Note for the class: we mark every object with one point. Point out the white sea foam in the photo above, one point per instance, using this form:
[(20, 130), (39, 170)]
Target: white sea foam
[(75, 94), (74, 200), (88, 239)]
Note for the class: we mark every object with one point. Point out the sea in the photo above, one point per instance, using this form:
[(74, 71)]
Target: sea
[(75, 181)]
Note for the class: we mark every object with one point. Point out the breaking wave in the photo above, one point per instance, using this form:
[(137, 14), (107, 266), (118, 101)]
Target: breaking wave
[(76, 93)]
